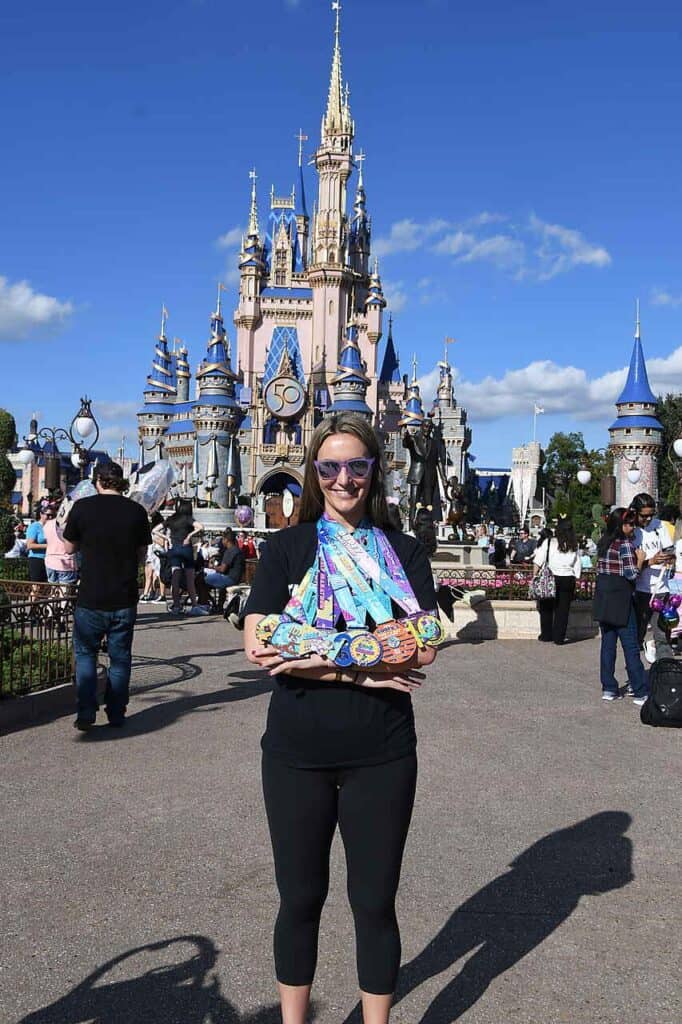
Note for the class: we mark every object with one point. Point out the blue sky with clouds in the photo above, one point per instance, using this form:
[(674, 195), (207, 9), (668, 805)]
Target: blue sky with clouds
[(523, 174)]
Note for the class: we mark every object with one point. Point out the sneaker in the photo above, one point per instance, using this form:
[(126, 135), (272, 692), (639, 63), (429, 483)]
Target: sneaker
[(650, 651), (145, 599), (158, 599), (117, 721), (629, 692), (235, 621), (639, 701), (175, 609), (610, 695)]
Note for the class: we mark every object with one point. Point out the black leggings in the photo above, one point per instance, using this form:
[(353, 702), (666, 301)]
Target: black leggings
[(555, 612), (372, 806)]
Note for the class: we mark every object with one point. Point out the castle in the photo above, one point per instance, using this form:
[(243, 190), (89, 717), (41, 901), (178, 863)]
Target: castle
[(308, 324)]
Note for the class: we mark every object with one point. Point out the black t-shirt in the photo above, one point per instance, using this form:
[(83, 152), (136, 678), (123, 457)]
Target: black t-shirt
[(314, 724), (233, 560), (108, 529), (180, 524)]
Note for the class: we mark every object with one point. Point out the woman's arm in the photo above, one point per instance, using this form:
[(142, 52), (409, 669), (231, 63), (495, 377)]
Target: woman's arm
[(198, 528), (398, 677)]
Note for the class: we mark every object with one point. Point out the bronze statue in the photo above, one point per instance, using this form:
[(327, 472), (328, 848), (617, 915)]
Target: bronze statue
[(426, 459), (456, 496)]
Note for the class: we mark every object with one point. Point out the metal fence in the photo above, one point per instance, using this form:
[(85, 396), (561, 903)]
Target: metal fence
[(510, 584), (36, 636)]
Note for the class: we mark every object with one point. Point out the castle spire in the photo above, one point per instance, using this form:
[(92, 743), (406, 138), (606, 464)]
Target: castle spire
[(337, 118), (390, 368), (253, 213), (637, 325)]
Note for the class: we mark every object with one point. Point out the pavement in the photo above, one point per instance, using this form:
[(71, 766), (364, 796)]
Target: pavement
[(541, 882)]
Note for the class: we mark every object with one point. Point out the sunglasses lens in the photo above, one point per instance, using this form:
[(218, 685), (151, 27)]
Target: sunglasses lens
[(328, 470), (359, 468)]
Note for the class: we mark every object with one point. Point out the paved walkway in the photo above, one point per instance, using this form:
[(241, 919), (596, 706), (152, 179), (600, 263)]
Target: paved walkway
[(541, 881)]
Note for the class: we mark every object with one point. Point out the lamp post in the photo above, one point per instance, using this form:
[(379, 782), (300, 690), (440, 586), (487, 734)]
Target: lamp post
[(82, 435), (608, 482)]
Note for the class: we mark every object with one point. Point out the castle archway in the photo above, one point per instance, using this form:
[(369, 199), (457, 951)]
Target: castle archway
[(278, 512)]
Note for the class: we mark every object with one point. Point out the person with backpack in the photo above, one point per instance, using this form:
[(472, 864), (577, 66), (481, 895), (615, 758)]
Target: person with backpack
[(618, 567), (560, 555)]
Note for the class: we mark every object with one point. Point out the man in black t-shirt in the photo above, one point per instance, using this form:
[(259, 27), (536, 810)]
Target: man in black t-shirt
[(230, 564), (112, 533)]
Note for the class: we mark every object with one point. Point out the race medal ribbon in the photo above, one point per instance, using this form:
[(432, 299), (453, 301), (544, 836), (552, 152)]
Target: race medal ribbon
[(355, 576)]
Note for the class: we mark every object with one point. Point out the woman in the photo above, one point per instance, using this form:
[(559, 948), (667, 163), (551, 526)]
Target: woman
[(561, 554), (37, 544), (339, 746), (152, 565), (617, 569), (61, 566), (182, 528)]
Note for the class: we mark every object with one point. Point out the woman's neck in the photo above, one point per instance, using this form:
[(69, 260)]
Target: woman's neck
[(350, 521)]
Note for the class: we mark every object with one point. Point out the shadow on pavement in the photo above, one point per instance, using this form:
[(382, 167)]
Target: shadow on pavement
[(163, 713), (155, 991), (515, 913)]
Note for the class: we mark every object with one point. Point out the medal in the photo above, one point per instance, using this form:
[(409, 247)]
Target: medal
[(338, 650), (267, 626), (429, 629), (397, 640), (365, 650)]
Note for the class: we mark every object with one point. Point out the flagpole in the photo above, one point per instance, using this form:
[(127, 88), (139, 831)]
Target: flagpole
[(535, 420)]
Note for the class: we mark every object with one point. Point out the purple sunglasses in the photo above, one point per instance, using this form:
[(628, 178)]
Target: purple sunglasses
[(358, 469)]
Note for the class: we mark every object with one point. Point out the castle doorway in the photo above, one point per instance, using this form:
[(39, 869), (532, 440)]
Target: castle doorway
[(282, 493)]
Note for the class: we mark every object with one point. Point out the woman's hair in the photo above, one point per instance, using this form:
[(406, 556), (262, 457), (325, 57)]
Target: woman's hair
[(565, 535), (312, 499), (110, 477), (545, 534), (184, 512), (642, 500), (614, 528), (394, 517), (669, 513), (156, 520)]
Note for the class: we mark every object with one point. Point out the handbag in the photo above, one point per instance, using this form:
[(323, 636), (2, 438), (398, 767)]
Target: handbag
[(543, 586), (664, 704), (612, 600)]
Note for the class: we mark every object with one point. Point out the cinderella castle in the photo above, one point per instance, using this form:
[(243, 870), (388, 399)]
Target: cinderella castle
[(309, 321)]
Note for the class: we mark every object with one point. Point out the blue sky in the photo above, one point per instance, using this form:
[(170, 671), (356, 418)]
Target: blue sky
[(523, 174)]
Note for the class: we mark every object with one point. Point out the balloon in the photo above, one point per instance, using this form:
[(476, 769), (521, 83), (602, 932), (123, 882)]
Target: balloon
[(85, 489), (243, 515), (657, 603), (149, 485), (675, 600), (670, 618)]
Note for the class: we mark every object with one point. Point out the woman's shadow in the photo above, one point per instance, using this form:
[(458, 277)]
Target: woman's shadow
[(187, 991), (516, 912)]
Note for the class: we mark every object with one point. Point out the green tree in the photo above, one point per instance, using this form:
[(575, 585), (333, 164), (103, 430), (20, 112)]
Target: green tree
[(670, 415), (8, 431), (564, 456)]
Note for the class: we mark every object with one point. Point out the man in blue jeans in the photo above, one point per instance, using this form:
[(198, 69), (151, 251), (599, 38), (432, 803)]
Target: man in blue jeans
[(112, 533)]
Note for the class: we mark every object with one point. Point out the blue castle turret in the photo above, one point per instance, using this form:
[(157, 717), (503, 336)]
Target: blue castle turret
[(160, 396), (351, 381), (636, 433), (216, 414)]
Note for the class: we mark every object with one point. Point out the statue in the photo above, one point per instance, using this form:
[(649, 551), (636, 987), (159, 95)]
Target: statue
[(456, 496), (426, 460)]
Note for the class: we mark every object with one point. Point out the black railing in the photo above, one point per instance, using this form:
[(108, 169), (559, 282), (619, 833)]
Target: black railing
[(509, 584), (36, 636)]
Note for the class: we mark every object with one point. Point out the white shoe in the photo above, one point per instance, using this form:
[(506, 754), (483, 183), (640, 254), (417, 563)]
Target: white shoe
[(650, 651), (639, 701), (608, 695)]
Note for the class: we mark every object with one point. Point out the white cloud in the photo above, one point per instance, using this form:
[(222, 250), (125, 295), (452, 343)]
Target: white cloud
[(662, 297), (24, 311), (501, 250), (395, 295), (232, 239), (562, 249), (231, 277), (534, 250), (408, 235), (565, 390), (114, 410)]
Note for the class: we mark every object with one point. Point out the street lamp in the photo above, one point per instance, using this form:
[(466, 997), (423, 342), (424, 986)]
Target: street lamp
[(83, 426), (608, 482)]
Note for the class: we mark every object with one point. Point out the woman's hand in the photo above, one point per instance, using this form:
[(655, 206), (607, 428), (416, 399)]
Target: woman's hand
[(406, 681), (270, 658)]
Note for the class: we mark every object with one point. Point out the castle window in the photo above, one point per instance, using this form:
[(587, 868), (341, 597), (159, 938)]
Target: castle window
[(331, 302), (281, 267)]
